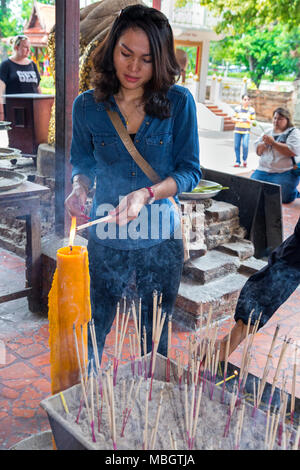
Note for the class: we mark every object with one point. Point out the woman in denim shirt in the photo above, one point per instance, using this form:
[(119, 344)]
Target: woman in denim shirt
[(141, 245)]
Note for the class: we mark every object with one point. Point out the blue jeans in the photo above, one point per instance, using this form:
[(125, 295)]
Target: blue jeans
[(134, 273), (287, 180), (238, 139)]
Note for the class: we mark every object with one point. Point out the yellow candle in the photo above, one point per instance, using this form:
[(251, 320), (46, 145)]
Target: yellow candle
[(69, 303)]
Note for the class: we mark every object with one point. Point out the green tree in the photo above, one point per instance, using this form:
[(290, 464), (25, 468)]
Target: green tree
[(270, 51), (235, 16)]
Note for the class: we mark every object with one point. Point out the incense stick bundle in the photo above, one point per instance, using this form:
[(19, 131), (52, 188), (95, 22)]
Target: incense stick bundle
[(285, 344), (159, 327), (169, 348), (81, 374), (266, 368), (145, 351), (179, 361), (137, 326), (239, 426), (153, 437), (145, 436), (130, 405), (92, 402), (227, 355), (294, 385), (119, 347), (111, 405)]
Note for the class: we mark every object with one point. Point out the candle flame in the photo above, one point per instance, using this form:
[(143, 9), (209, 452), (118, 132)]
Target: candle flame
[(72, 232)]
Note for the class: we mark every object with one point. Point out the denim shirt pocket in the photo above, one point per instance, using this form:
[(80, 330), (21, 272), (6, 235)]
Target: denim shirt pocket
[(158, 147), (106, 148)]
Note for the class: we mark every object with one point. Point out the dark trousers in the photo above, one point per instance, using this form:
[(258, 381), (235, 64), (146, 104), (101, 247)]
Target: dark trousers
[(270, 287), (134, 273)]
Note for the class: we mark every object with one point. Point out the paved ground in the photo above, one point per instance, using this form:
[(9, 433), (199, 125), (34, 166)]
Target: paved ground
[(24, 350)]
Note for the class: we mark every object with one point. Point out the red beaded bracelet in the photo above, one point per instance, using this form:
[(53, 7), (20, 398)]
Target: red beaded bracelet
[(152, 196)]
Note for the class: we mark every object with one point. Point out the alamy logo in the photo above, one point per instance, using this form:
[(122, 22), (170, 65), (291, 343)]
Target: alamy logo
[(2, 353)]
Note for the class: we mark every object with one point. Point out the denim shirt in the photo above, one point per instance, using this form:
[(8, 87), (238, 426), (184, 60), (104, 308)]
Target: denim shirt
[(170, 146)]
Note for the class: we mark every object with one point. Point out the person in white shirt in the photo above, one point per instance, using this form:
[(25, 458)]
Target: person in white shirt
[(276, 149)]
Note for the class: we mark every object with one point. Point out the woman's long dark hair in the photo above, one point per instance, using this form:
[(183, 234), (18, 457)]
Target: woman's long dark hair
[(166, 69)]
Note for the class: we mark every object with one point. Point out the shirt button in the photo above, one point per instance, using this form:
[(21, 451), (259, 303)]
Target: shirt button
[(133, 173), (147, 123), (161, 142), (137, 140), (102, 143)]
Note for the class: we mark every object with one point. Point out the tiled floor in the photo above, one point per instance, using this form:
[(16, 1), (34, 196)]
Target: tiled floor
[(24, 350)]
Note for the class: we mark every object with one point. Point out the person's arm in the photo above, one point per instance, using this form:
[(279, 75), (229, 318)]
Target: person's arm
[(39, 90), (284, 149), (2, 92), (261, 148), (82, 161)]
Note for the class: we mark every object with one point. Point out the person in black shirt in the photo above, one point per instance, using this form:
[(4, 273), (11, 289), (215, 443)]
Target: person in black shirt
[(18, 74)]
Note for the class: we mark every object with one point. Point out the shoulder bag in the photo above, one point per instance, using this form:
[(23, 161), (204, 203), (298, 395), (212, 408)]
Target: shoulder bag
[(145, 167)]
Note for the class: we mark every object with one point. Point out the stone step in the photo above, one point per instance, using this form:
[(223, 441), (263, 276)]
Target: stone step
[(243, 249), (220, 295), (251, 266), (214, 264)]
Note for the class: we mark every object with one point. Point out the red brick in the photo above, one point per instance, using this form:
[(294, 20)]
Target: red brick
[(41, 360), (29, 394), (16, 371), (23, 413), (18, 384), (42, 385), (31, 350), (9, 393), (20, 342)]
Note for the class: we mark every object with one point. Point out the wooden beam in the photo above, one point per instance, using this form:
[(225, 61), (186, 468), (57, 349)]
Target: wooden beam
[(66, 84)]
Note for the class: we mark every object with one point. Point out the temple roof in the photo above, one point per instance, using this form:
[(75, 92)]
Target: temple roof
[(41, 22)]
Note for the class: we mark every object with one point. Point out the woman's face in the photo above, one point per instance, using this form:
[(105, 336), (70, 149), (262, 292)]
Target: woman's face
[(133, 60), (23, 49), (280, 123)]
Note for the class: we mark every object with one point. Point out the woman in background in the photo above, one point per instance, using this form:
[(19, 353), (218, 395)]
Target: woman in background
[(18, 74), (276, 149)]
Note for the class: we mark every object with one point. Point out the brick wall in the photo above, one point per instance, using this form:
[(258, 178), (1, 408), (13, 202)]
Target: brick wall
[(265, 102)]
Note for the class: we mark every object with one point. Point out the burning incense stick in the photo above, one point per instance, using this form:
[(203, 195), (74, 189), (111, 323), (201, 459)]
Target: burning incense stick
[(285, 344), (169, 348), (145, 437), (81, 374), (160, 325), (294, 385), (239, 426), (64, 402), (94, 222), (153, 439), (92, 402)]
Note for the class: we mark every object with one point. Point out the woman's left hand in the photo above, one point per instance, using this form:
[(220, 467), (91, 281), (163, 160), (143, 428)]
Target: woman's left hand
[(268, 139), (129, 207)]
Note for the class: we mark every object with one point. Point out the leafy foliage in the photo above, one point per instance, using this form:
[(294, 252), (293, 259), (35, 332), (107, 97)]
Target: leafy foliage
[(271, 51)]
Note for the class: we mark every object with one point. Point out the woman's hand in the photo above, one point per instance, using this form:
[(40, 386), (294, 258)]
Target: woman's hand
[(130, 207), (268, 139), (75, 203)]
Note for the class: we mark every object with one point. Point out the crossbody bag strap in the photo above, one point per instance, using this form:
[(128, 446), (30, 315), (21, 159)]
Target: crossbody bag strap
[(137, 157)]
